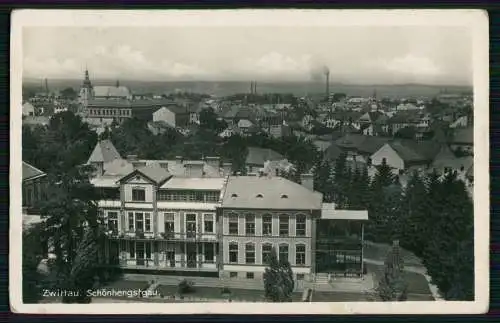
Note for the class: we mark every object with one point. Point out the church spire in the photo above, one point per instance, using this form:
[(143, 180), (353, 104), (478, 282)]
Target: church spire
[(117, 83), (86, 81)]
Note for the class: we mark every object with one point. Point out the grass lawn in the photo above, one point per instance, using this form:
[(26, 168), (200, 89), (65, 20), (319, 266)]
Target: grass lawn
[(417, 284)]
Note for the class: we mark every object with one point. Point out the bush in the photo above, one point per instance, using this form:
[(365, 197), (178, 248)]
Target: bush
[(185, 287)]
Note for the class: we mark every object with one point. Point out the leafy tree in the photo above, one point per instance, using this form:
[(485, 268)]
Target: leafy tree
[(340, 180), (406, 133), (70, 213), (278, 279), (32, 255), (209, 120), (69, 93), (392, 286), (323, 180)]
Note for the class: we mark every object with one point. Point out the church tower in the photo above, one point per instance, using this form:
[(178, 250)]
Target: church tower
[(86, 91)]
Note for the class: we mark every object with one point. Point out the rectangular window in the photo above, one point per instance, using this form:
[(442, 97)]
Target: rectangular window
[(233, 224), (233, 274), (250, 225), (209, 252), (250, 253), (209, 223), (191, 225), (131, 221), (147, 223), (132, 249), (300, 255), (283, 252), (169, 224), (212, 196), (267, 225), (233, 252), (250, 276), (283, 225), (266, 253), (300, 226), (138, 194), (139, 222), (300, 276), (113, 222), (170, 256)]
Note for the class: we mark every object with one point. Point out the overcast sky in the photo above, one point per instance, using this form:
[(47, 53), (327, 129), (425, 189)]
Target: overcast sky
[(359, 55)]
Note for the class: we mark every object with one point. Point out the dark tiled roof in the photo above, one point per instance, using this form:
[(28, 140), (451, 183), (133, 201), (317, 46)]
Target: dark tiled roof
[(155, 172), (123, 103), (361, 143), (463, 136), (258, 156), (404, 117), (416, 151), (30, 171)]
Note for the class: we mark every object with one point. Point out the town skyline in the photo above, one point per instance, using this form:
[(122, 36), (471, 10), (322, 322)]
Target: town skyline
[(388, 56)]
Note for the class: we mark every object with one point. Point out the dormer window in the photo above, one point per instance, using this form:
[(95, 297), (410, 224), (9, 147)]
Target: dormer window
[(284, 196), (234, 195), (260, 196)]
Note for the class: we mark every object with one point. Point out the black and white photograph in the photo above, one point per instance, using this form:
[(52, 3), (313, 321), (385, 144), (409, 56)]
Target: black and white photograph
[(205, 161)]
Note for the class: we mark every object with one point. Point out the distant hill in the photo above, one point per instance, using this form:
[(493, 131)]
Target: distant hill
[(231, 87)]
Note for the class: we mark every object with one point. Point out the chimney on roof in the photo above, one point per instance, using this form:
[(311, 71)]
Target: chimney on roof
[(178, 159), (307, 180), (213, 162), (164, 165), (194, 169), (227, 168)]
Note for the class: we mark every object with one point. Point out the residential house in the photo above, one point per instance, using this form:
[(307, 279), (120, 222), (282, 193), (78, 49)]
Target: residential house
[(174, 115), (359, 148), (407, 155), (257, 157), (462, 141), (28, 109), (245, 126), (34, 188), (446, 162), (191, 218)]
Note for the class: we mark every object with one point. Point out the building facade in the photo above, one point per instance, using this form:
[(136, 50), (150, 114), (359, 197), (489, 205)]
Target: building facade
[(195, 218)]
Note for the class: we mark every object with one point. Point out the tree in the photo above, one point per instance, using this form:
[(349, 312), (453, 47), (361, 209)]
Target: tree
[(70, 212), (323, 181), (449, 254), (69, 93), (340, 180), (209, 120), (406, 133), (415, 226), (32, 255), (278, 279), (392, 286)]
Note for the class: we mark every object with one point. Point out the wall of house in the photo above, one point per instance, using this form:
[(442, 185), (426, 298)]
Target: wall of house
[(33, 191), (138, 182), (392, 158), (165, 115)]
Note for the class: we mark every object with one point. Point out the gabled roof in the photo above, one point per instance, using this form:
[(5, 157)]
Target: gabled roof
[(31, 172), (153, 172), (463, 136), (361, 143), (252, 192), (105, 152), (416, 151), (258, 156)]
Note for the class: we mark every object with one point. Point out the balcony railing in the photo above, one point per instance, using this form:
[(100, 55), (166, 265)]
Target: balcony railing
[(169, 236)]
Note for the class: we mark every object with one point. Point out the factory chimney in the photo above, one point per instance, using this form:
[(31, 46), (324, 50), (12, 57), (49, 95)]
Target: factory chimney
[(255, 87), (327, 77)]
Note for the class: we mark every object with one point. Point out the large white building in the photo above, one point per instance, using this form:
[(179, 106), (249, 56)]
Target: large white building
[(194, 216)]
